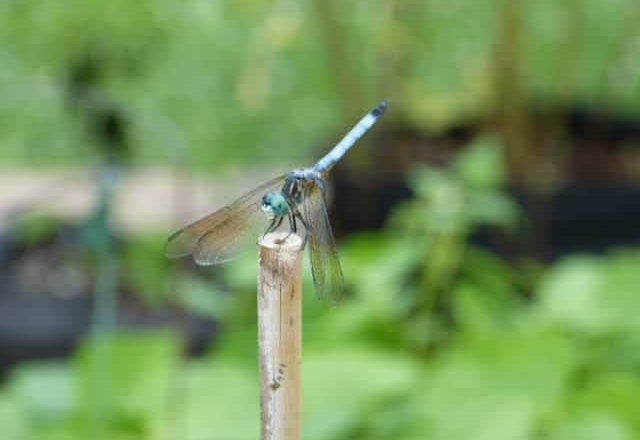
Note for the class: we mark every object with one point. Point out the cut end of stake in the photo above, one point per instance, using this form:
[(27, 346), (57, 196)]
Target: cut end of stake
[(282, 241)]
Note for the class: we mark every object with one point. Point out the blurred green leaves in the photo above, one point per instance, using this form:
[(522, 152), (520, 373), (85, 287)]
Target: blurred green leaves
[(257, 81), (117, 387), (125, 383), (588, 296), (427, 257), (438, 338), (45, 392), (363, 379), (478, 390), (469, 196)]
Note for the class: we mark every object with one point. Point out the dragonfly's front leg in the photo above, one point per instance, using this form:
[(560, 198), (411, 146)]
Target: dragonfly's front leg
[(278, 223), (275, 224), (292, 226), (292, 222), (296, 214)]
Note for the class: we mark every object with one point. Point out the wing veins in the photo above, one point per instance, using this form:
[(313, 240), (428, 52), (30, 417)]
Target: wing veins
[(325, 263), (186, 240)]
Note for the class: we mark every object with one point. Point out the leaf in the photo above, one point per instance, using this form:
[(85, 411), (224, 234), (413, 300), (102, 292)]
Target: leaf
[(46, 390), (481, 164), (126, 381), (571, 294), (594, 295), (592, 427), (14, 419), (220, 400), (493, 388), (345, 386)]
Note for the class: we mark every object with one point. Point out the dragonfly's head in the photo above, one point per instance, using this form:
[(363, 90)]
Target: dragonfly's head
[(274, 204)]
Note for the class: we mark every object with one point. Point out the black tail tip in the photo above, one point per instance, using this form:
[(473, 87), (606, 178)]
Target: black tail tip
[(380, 108)]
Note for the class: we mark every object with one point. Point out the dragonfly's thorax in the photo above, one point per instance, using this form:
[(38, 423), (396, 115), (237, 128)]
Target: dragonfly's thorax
[(304, 174), (297, 184), (274, 204)]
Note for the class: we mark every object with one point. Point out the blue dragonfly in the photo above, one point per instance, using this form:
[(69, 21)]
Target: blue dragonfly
[(298, 196)]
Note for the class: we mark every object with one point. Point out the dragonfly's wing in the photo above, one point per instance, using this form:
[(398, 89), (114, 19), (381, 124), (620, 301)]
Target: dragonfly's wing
[(220, 236), (325, 264)]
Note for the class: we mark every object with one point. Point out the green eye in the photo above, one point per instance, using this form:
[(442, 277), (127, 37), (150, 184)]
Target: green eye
[(276, 203)]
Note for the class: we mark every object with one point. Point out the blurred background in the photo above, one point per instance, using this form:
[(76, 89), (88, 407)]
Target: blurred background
[(489, 225)]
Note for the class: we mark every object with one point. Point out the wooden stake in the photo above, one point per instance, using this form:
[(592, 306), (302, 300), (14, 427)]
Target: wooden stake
[(280, 334)]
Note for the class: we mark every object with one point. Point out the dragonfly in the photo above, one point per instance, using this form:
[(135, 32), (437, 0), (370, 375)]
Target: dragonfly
[(299, 197)]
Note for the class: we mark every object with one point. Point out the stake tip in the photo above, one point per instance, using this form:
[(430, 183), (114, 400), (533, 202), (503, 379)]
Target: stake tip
[(282, 241)]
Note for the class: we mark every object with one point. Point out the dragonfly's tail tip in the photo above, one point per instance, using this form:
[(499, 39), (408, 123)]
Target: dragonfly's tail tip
[(380, 108)]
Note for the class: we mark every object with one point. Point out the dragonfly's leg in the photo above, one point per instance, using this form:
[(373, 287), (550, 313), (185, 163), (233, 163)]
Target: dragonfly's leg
[(270, 227), (306, 226), (275, 223), (292, 226)]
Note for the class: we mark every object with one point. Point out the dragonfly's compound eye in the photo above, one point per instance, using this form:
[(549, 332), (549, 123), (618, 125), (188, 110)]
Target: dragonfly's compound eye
[(274, 204)]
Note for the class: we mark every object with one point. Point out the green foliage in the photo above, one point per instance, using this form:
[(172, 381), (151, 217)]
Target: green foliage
[(14, 421), (594, 298), (228, 81), (36, 228), (437, 339), (146, 270), (363, 379), (478, 390), (125, 384), (44, 392), (219, 400), (431, 260)]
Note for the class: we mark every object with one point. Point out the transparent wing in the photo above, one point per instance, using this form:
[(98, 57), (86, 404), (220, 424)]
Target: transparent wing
[(325, 263), (221, 236)]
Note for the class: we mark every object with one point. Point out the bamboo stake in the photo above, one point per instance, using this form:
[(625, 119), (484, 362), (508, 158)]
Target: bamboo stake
[(280, 336)]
